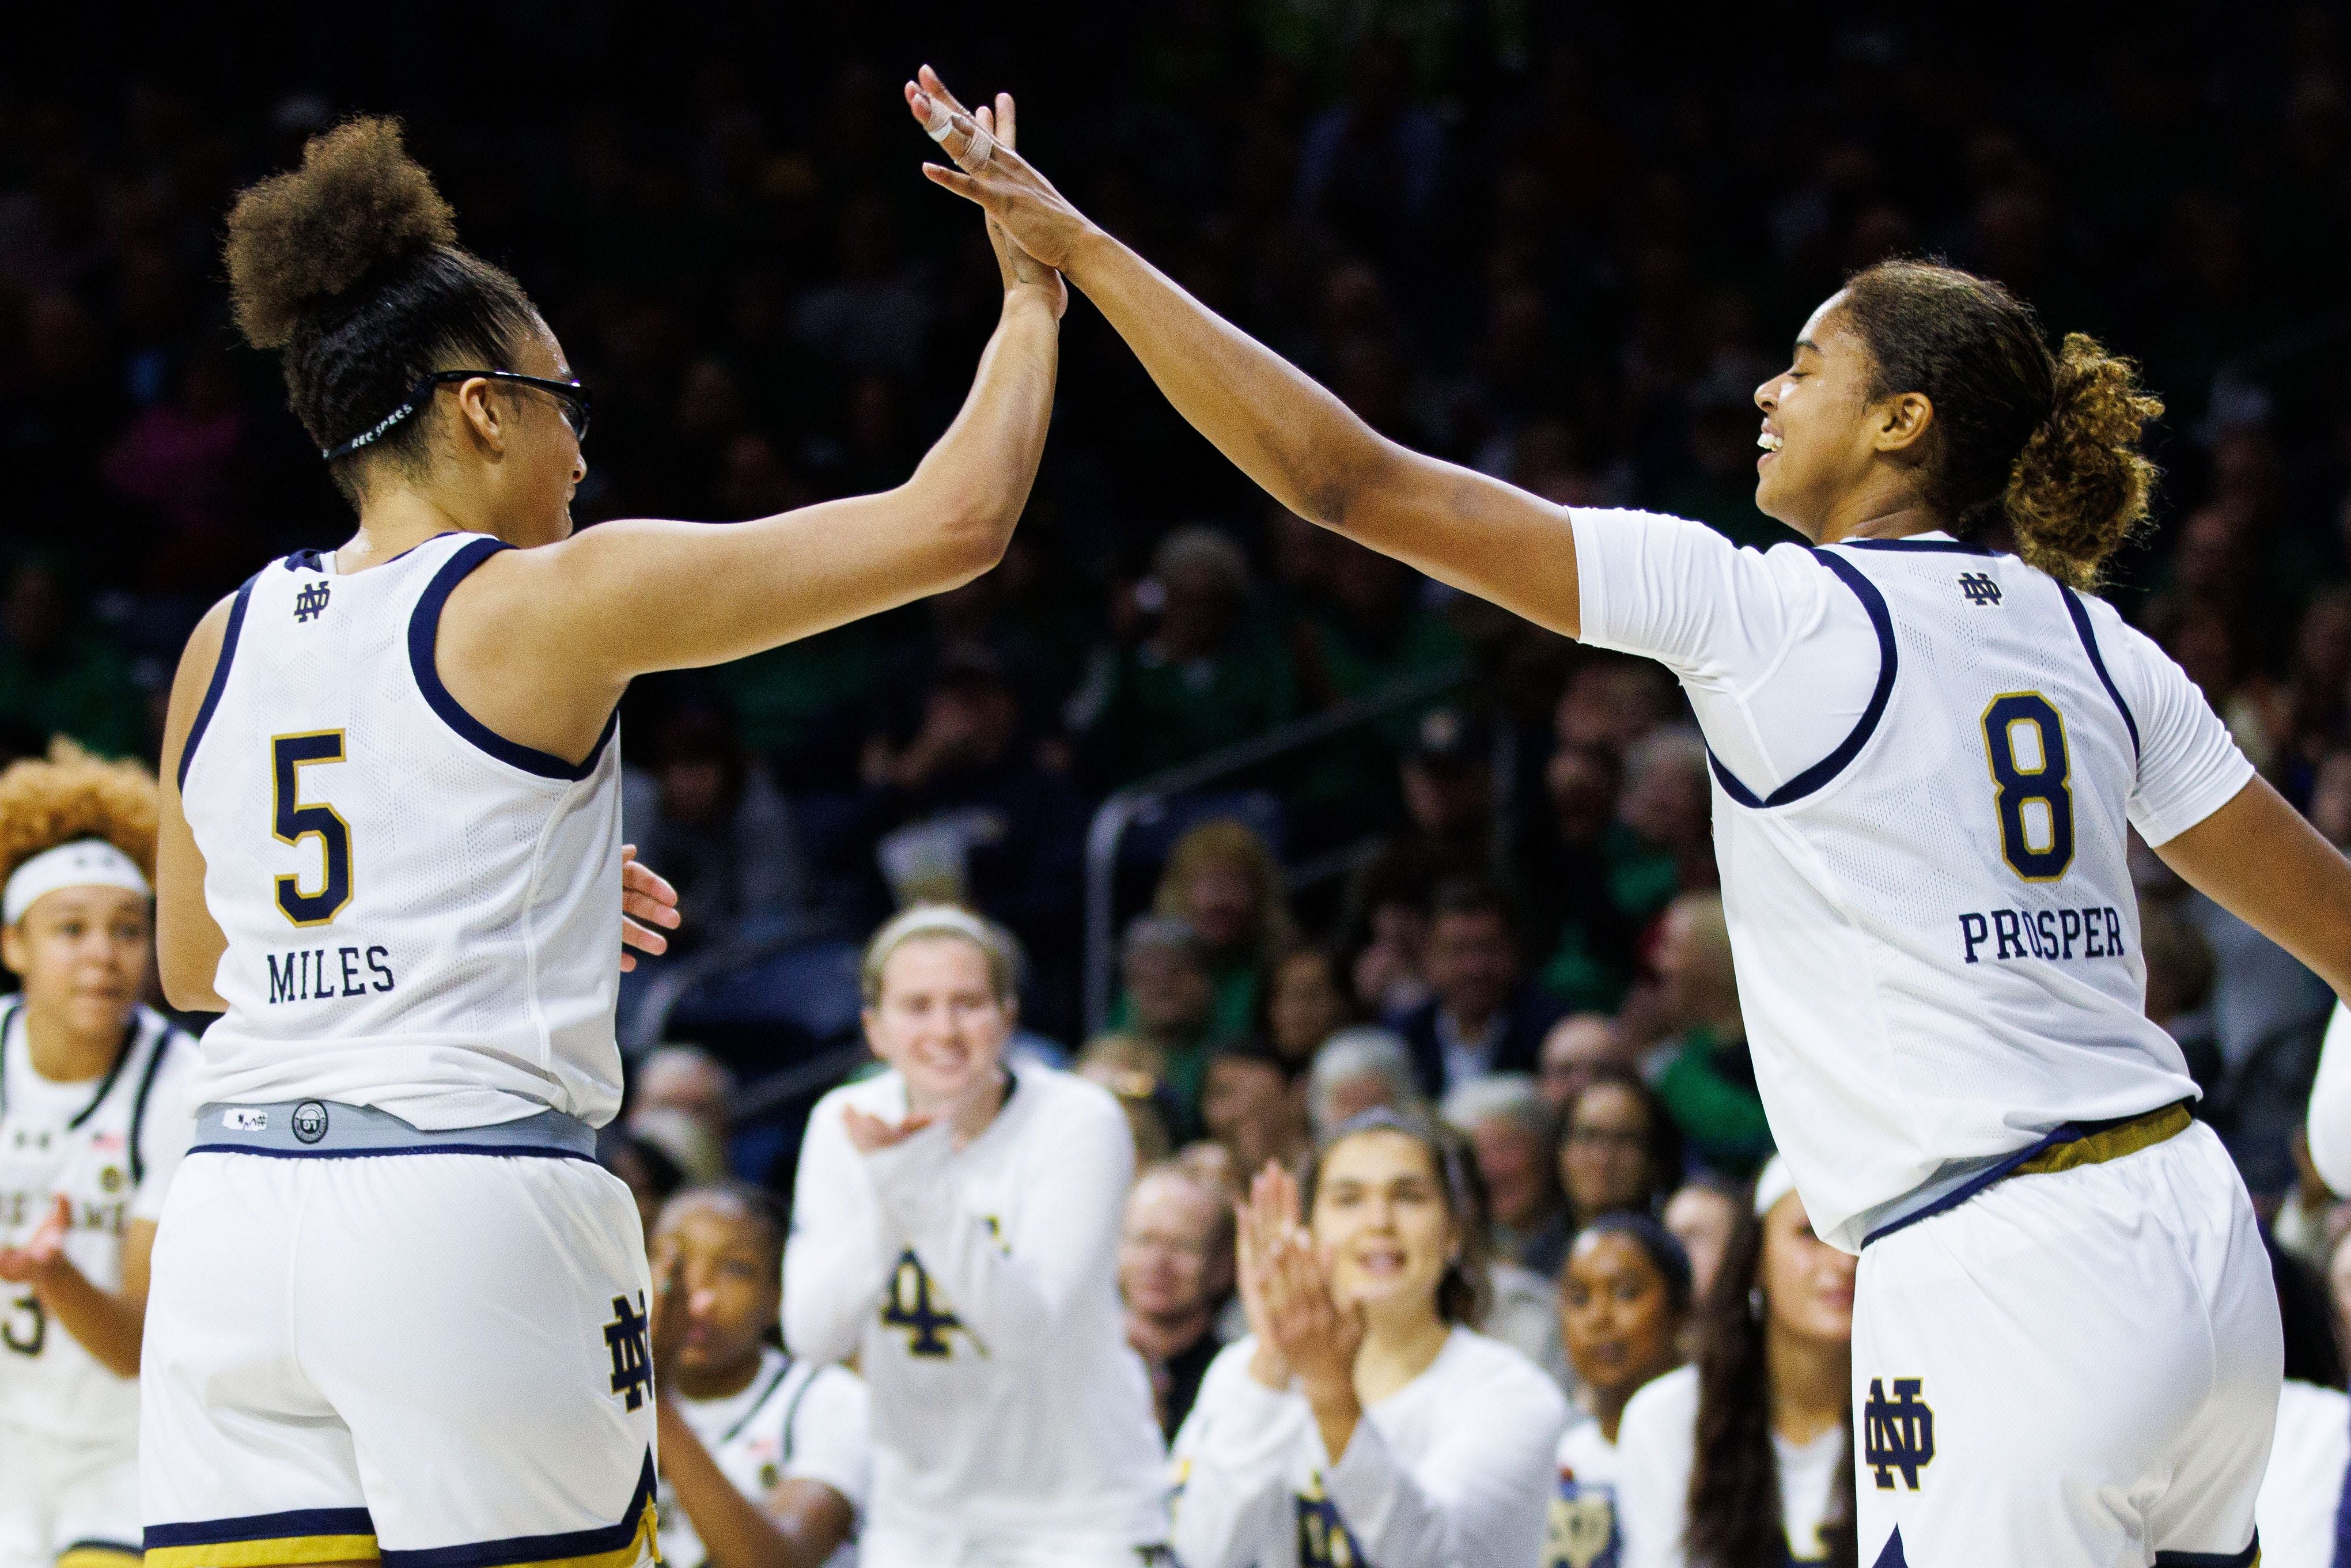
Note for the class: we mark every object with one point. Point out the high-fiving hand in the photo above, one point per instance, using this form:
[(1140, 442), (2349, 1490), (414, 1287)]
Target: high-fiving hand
[(1020, 200), (979, 138), (647, 900)]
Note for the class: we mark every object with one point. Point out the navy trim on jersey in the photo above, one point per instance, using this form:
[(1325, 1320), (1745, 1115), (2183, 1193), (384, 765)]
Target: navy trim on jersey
[(164, 1039), (220, 676), (2068, 1134), (1947, 546), (424, 625), (306, 560), (1820, 773), (262, 1527), (7, 1015), (2245, 1559), (590, 1543), (122, 1059), (761, 1403), (2081, 615), (519, 1151)]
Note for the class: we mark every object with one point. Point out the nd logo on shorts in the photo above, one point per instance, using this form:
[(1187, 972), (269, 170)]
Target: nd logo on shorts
[(1897, 1433), (309, 1122)]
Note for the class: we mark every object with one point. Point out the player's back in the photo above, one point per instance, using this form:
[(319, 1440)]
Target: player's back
[(422, 916), (1927, 757)]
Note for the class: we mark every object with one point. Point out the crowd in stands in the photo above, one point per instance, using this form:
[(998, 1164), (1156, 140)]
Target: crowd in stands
[(1548, 242)]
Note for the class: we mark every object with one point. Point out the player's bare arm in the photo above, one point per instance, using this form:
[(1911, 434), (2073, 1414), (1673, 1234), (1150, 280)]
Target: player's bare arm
[(1294, 437), (109, 1323), (2262, 861)]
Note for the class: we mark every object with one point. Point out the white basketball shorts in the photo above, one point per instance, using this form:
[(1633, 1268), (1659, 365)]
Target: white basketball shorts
[(2071, 1370), (437, 1359), (67, 1502)]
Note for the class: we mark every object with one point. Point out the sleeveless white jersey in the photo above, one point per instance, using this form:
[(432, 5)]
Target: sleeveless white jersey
[(796, 1420), (422, 916), (110, 1147), (1925, 758)]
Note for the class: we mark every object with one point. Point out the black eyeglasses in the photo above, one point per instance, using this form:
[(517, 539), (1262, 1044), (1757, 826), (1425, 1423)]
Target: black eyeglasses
[(570, 395)]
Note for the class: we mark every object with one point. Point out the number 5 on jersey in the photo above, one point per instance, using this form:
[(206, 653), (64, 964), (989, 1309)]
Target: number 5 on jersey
[(291, 821), (2024, 740)]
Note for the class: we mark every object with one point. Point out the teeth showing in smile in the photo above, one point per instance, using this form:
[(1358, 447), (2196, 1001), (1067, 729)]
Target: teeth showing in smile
[(1767, 441)]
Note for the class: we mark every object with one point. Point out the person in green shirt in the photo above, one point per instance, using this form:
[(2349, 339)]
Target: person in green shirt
[(1709, 1083), (1207, 677)]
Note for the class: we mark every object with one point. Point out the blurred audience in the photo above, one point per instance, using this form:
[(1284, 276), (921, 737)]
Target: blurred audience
[(1482, 1017), (1174, 1270)]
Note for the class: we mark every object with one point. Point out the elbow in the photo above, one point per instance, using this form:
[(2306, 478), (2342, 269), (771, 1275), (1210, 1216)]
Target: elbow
[(1337, 497), (974, 538)]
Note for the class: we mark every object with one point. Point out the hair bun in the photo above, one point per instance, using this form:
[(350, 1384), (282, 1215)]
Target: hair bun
[(297, 239), (2081, 487)]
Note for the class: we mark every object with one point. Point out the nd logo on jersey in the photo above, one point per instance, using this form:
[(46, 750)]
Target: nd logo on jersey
[(1898, 1434), (1323, 1538), (1583, 1532)]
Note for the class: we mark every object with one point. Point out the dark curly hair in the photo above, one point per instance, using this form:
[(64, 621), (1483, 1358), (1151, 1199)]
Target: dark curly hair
[(1734, 1492), (2047, 441), (351, 265)]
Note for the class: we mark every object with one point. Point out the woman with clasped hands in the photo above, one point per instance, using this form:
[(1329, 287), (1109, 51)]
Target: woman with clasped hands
[(1364, 1420)]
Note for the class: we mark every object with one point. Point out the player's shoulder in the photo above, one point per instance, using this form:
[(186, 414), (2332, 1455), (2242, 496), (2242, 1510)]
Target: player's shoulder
[(1063, 1098), (823, 1382), (1662, 1415), (1489, 1373)]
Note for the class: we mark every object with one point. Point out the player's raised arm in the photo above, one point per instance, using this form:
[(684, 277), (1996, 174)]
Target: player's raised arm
[(1292, 436)]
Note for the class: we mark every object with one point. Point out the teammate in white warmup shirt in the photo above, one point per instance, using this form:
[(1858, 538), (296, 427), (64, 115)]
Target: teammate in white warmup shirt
[(399, 1310), (954, 1228), (1364, 1420), (94, 1118), (1928, 754), (764, 1460)]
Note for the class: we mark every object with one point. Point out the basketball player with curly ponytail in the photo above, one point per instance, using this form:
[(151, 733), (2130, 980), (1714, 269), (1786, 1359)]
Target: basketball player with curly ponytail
[(1929, 755), (94, 1120), (389, 858)]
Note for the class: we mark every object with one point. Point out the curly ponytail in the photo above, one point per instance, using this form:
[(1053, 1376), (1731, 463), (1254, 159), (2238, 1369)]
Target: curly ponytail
[(2081, 486), (2047, 441), (351, 264)]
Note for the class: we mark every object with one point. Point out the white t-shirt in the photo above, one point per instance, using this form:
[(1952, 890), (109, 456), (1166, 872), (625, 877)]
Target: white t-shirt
[(795, 1420), (2304, 1485), (1583, 1531), (112, 1145), (1452, 1470), (1926, 759), (1656, 1449), (978, 1290)]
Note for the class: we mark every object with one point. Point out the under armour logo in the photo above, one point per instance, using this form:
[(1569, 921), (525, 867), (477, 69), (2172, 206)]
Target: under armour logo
[(311, 602), (1897, 1434), (625, 1336), (1979, 588)]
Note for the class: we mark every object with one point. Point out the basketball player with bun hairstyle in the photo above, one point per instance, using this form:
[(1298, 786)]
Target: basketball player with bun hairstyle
[(1928, 754), (402, 1314), (955, 1224), (94, 1118)]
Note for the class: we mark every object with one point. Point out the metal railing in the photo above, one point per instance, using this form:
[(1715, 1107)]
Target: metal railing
[(1142, 799)]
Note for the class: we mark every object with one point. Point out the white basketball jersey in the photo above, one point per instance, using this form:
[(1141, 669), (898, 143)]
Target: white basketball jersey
[(422, 915), (1933, 919), (797, 1420), (110, 1147)]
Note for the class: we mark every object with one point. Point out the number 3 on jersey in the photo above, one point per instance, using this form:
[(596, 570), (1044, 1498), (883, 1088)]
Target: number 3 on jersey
[(292, 822), (2024, 740)]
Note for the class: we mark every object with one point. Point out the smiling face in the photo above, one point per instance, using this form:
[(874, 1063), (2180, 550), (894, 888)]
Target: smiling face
[(1823, 438), (82, 953), (728, 1266), (1615, 1315), (1380, 1214), (938, 1019), (1807, 1282)]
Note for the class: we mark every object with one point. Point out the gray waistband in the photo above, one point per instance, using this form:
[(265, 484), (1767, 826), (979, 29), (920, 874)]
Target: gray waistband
[(329, 1128)]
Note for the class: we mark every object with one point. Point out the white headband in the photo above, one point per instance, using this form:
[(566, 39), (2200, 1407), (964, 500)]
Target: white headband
[(84, 863), (1773, 1184)]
